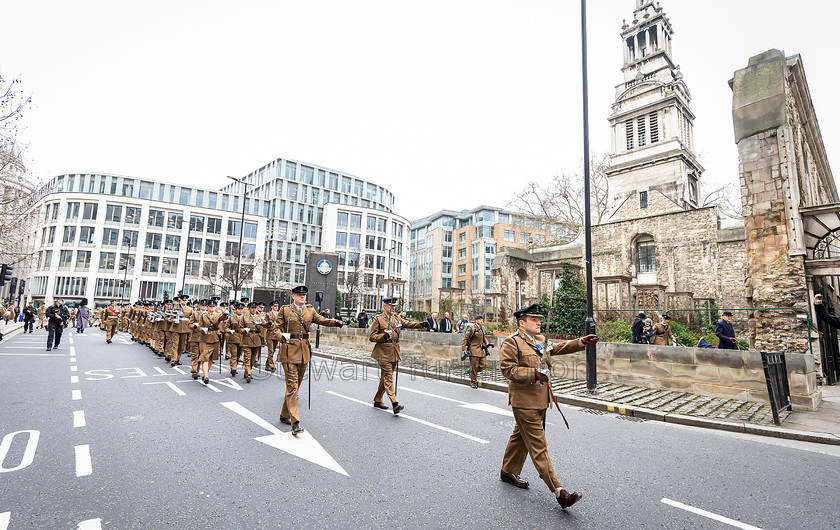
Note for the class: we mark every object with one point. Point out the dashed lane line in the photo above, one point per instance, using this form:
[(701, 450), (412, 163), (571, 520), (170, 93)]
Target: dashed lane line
[(90, 524), (74, 379), (77, 394), (78, 419), (84, 467), (5, 517), (412, 418), (710, 515)]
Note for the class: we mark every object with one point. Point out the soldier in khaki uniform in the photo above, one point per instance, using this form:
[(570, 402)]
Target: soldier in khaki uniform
[(42, 313), (662, 331), (385, 332), (250, 338), (475, 338), (293, 322), (208, 344), (181, 328), (272, 336), (195, 337), (526, 362), (112, 318), (233, 327)]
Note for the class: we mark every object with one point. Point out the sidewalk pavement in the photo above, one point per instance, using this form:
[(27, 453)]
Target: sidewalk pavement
[(10, 329), (640, 403)]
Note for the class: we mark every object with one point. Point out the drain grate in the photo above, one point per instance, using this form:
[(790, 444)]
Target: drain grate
[(630, 418), (596, 412)]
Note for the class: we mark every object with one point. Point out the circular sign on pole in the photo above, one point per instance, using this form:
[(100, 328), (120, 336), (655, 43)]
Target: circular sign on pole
[(324, 267)]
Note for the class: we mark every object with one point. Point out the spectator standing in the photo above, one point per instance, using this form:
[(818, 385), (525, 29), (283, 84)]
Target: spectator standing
[(725, 333), (433, 323), (647, 331), (83, 316), (29, 316), (638, 328), (462, 324), (445, 325), (362, 319), (57, 316), (662, 331)]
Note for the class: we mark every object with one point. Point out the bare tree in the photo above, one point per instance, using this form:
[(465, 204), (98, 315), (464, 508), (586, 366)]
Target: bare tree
[(223, 277), (276, 275), (559, 206), (728, 197)]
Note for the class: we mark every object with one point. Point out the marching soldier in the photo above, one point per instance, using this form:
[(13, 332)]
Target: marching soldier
[(112, 318), (208, 344), (195, 338), (42, 313), (526, 362), (473, 344), (272, 337), (233, 327), (170, 341), (250, 338), (181, 328), (385, 332), (293, 322)]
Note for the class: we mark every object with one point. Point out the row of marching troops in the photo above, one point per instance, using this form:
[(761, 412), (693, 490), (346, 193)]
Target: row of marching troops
[(205, 328)]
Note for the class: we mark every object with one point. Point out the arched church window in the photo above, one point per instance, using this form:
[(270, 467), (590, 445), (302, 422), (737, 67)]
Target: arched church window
[(646, 256), (828, 247)]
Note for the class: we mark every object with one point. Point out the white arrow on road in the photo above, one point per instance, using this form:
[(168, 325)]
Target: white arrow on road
[(302, 446), (484, 407)]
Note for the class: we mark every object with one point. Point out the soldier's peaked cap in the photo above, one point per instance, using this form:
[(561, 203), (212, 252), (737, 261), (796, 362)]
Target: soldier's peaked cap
[(253, 305), (532, 310), (300, 289), (479, 317), (185, 297), (238, 305), (211, 303), (390, 300), (244, 300), (275, 302)]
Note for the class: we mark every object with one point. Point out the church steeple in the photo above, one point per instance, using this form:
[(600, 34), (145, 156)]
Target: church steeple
[(654, 167)]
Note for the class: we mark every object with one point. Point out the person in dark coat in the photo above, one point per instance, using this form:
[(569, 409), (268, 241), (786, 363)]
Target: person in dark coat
[(57, 317), (638, 328), (725, 333), (83, 316), (433, 324), (29, 315), (822, 312), (445, 324), (362, 319)]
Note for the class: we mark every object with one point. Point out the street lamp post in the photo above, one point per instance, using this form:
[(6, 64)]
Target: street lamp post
[(392, 248), (241, 233), (591, 369), (125, 275)]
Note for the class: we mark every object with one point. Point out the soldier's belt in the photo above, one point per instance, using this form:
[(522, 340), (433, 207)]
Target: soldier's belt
[(301, 336)]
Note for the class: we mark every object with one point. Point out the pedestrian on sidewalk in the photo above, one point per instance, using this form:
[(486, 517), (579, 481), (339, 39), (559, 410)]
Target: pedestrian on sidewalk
[(638, 328), (526, 362), (29, 315), (725, 333), (82, 316), (57, 317), (445, 325)]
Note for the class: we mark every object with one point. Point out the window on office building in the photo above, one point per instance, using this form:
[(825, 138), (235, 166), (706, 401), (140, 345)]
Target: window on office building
[(107, 261), (89, 211), (72, 211), (193, 267), (169, 266), (86, 235), (83, 260), (510, 236), (129, 238), (132, 215), (151, 264), (525, 237), (69, 235), (214, 225), (113, 213), (174, 221), (156, 218), (194, 245), (341, 239), (196, 223), (153, 241), (127, 260), (172, 243)]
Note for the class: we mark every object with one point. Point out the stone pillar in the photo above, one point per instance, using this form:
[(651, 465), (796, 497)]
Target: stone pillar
[(776, 271)]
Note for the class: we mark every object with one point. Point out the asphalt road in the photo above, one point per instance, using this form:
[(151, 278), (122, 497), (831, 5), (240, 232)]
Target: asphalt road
[(95, 435)]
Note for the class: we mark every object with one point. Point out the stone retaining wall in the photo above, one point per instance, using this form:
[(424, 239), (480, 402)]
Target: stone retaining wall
[(720, 373)]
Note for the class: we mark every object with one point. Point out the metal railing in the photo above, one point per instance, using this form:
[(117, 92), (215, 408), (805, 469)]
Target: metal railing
[(775, 372)]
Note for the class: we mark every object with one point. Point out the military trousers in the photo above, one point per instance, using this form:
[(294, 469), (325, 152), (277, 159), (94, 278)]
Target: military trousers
[(193, 349), (171, 348), (386, 381), (110, 329), (528, 438), (183, 338), (294, 376), (234, 352), (477, 364), (271, 344)]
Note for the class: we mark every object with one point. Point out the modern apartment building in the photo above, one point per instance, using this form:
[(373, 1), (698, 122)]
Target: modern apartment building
[(451, 254), (372, 253), (94, 231)]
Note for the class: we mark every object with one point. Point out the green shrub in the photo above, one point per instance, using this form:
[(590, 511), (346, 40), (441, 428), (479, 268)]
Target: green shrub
[(416, 315), (614, 331)]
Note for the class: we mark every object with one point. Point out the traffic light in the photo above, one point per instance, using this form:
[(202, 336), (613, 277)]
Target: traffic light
[(5, 274), (166, 295), (22, 287)]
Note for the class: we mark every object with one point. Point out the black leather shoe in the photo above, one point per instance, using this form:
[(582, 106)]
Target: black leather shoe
[(285, 421), (177, 363), (167, 358), (49, 349), (566, 499), (473, 385), (195, 375), (233, 373), (173, 363), (510, 478), (206, 380), (108, 341), (247, 378), (398, 408), (380, 405), (296, 428)]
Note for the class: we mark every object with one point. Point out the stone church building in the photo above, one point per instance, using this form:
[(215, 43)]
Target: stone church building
[(658, 248)]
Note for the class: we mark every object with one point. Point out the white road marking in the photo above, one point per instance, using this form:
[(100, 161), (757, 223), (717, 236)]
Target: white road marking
[(22, 347), (78, 419), (32, 354), (412, 418), (74, 379), (70, 340), (72, 359), (161, 372), (90, 524), (171, 385), (28, 453), (72, 351), (84, 467), (77, 394), (484, 407), (74, 368), (710, 515), (5, 517), (302, 446), (211, 387)]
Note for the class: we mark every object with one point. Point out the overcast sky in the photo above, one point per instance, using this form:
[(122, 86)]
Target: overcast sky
[(449, 104)]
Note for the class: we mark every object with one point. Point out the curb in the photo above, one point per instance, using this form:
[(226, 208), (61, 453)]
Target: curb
[(17, 329), (626, 410)]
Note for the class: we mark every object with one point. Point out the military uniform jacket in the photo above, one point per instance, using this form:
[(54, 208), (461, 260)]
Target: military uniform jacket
[(519, 360), (474, 338), (252, 337), (211, 322), (660, 332), (183, 325), (387, 349), (195, 333), (296, 350), (234, 323), (273, 329), (113, 313)]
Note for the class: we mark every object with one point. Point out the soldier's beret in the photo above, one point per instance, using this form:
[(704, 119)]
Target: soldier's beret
[(532, 310), (300, 289), (390, 300), (479, 317)]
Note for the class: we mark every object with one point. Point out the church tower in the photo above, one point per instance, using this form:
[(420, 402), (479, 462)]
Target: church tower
[(654, 168)]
